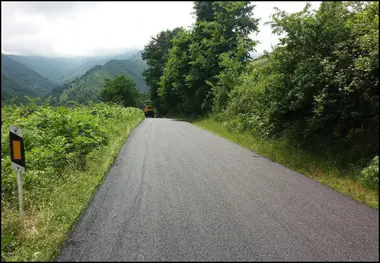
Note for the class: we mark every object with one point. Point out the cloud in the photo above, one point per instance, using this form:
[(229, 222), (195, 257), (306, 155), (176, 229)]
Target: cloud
[(100, 28), (265, 10), (50, 10), (71, 28)]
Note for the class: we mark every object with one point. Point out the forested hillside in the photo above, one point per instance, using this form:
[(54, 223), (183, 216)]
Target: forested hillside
[(88, 87), (90, 62), (37, 76), (18, 80), (49, 67), (318, 90), (60, 69)]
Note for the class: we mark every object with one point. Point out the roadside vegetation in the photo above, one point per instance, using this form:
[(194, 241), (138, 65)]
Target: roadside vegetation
[(121, 90), (68, 153), (312, 103)]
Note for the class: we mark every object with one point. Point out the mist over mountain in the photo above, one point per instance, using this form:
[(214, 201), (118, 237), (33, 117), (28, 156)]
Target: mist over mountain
[(17, 80), (80, 78)]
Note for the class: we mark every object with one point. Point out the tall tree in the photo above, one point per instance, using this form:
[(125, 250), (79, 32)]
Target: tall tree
[(218, 41), (204, 11), (321, 85), (222, 35), (122, 90), (155, 53), (173, 90)]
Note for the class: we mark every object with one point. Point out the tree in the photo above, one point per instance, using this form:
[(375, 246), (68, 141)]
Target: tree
[(173, 90), (329, 63), (121, 89), (186, 65), (220, 40), (203, 11), (156, 53), (321, 86)]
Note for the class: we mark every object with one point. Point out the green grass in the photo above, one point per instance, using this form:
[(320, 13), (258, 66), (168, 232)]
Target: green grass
[(49, 221), (319, 168), (260, 62)]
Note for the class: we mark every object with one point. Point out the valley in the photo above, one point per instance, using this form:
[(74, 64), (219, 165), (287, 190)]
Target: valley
[(77, 79)]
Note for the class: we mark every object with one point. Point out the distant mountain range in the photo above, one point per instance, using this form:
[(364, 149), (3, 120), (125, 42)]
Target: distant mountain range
[(88, 86), (71, 77), (17, 80)]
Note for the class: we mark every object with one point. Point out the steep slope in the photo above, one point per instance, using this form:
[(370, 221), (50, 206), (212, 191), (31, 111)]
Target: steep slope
[(131, 67), (88, 64), (259, 63), (78, 71), (87, 87), (18, 80), (49, 67), (64, 69)]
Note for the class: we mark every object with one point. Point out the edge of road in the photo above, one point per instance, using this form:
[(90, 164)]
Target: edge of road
[(191, 121), (90, 200)]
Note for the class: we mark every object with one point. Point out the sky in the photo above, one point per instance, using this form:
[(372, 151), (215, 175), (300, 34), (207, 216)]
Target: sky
[(103, 28)]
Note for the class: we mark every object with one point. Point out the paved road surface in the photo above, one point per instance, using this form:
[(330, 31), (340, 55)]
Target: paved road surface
[(179, 193)]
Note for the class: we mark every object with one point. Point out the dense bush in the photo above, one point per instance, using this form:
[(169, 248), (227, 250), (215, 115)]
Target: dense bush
[(121, 89), (320, 87), (370, 174), (55, 139)]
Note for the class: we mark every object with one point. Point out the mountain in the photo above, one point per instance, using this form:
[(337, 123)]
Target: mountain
[(38, 75), (79, 70), (18, 80), (88, 86), (64, 69), (48, 67), (89, 63), (137, 55)]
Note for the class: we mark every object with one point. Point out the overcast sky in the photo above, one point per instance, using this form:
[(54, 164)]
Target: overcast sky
[(102, 28)]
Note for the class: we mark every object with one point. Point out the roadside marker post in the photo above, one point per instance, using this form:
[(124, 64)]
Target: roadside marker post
[(17, 159)]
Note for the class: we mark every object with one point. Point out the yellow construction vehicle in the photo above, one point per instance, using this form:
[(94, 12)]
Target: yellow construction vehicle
[(148, 111)]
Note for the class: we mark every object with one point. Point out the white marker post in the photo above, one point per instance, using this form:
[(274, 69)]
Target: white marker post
[(19, 184), (17, 159)]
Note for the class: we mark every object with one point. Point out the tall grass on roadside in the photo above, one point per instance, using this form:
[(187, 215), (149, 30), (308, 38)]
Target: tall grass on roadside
[(321, 168), (68, 153)]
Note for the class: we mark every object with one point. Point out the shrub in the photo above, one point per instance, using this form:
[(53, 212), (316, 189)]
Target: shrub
[(370, 174)]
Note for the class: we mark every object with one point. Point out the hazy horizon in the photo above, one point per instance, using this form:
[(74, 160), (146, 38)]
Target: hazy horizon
[(78, 56)]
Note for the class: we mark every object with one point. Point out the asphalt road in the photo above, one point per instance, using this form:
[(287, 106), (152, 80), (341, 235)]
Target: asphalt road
[(179, 193)]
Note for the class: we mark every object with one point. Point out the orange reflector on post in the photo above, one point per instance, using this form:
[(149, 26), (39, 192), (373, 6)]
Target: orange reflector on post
[(16, 145), (16, 150)]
